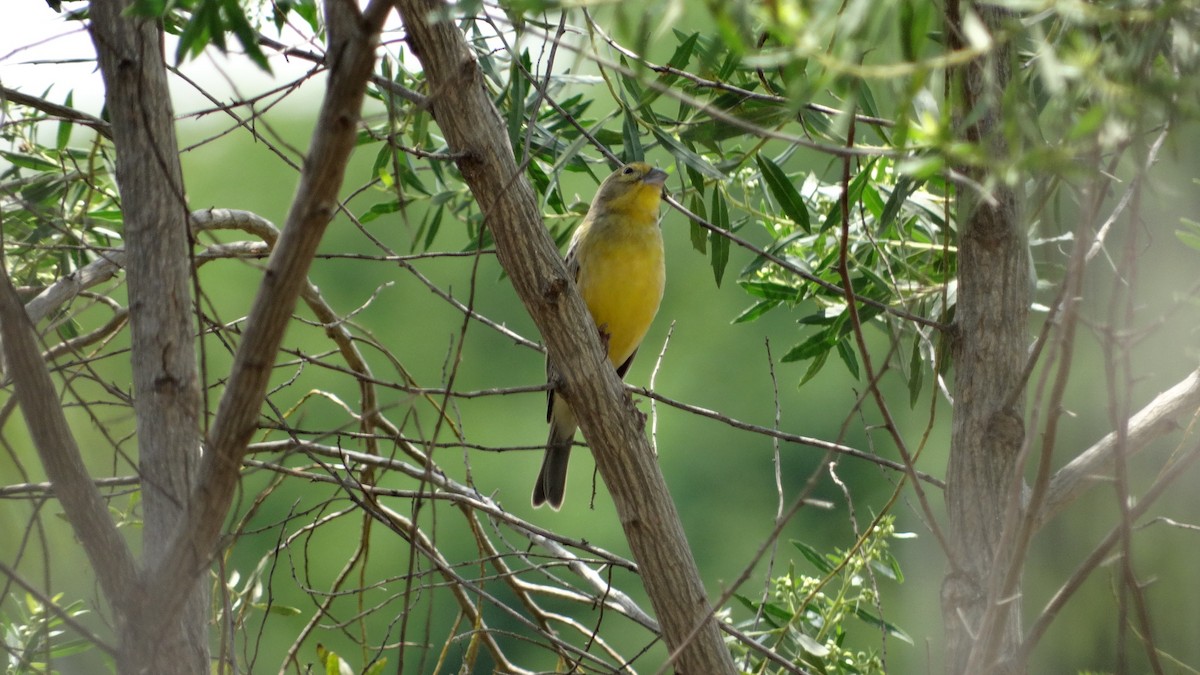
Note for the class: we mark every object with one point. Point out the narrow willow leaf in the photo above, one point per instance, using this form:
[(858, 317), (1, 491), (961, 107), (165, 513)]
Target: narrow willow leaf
[(900, 192), (784, 192), (754, 311), (65, 126), (380, 209), (771, 611), (770, 290), (891, 628), (434, 225), (689, 158), (29, 161), (814, 556), (718, 244), (816, 345), (630, 139), (846, 353), (247, 36), (814, 368), (518, 88), (916, 373), (678, 61), (699, 234)]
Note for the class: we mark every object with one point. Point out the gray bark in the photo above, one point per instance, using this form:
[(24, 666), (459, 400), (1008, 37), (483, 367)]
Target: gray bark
[(613, 427), (158, 269), (351, 55), (990, 343)]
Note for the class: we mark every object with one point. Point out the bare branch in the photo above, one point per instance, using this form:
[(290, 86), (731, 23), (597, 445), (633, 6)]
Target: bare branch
[(84, 508), (1158, 418), (61, 111)]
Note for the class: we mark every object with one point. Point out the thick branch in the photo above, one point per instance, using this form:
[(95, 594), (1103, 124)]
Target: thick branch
[(81, 501), (989, 351), (1093, 465), (166, 388), (352, 38), (474, 132)]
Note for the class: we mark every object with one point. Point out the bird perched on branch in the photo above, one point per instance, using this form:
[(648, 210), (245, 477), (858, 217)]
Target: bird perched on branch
[(616, 257)]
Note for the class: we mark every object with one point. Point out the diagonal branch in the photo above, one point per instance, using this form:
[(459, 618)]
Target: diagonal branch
[(59, 453), (1157, 419), (61, 111), (476, 135)]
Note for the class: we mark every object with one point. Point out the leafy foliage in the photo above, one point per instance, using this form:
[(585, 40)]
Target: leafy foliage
[(38, 635), (807, 619)]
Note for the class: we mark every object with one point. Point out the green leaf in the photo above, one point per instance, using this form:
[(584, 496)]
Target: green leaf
[(770, 290), (914, 25), (434, 225), (756, 310), (815, 557), (888, 566), (678, 61), (814, 368), (683, 53), (904, 187), (772, 612), (872, 200), (246, 34), (276, 608), (718, 244), (891, 628), (814, 346), (699, 234), (68, 329), (147, 8), (810, 645), (630, 139), (1088, 123), (518, 89), (380, 209), (749, 115), (916, 373), (866, 100), (195, 36), (784, 192), (685, 156), (29, 161), (64, 127), (846, 353)]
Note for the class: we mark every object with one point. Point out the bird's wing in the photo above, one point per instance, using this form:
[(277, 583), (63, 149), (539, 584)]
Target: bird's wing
[(572, 262)]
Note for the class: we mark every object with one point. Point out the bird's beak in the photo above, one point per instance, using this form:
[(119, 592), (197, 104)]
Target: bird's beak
[(655, 177)]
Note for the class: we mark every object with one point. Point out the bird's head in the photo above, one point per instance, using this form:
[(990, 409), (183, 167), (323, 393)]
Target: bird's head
[(634, 188)]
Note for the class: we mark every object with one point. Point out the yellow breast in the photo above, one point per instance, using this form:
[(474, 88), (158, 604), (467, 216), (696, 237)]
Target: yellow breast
[(621, 277)]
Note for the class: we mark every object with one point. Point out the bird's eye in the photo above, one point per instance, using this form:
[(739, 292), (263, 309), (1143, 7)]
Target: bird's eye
[(628, 170)]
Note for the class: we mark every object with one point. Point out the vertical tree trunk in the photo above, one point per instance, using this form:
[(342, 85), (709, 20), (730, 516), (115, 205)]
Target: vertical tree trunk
[(166, 394), (990, 346)]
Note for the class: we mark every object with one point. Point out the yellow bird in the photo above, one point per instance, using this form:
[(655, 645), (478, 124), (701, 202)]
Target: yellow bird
[(616, 257)]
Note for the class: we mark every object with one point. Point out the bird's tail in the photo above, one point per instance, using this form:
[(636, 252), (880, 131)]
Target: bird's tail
[(551, 483)]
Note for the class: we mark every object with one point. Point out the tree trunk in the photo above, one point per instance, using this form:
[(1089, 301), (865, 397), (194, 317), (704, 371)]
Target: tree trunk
[(158, 267), (989, 352)]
